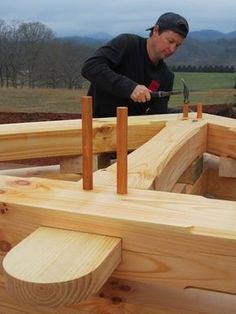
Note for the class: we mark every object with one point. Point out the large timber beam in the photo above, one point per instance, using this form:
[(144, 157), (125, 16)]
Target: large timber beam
[(64, 138), (221, 139), (163, 159), (177, 241), (59, 267), (175, 238)]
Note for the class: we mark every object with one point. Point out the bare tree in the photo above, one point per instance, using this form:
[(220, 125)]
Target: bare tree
[(30, 54), (34, 38)]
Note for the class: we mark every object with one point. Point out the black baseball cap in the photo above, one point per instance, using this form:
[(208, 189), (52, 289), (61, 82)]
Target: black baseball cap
[(174, 22)]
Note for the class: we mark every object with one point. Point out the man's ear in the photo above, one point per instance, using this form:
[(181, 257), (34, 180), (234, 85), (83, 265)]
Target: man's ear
[(156, 30)]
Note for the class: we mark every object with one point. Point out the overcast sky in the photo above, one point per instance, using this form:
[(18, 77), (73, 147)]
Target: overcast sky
[(77, 17)]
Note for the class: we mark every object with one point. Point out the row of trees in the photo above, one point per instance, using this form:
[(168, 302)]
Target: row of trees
[(205, 68), (31, 55)]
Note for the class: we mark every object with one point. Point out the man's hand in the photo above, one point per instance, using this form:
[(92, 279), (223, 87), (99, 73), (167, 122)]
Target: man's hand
[(141, 94)]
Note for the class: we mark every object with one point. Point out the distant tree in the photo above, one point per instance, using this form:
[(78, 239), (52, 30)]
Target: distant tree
[(34, 38), (3, 41)]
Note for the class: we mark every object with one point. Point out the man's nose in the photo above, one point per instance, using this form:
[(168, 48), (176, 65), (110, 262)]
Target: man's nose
[(173, 47)]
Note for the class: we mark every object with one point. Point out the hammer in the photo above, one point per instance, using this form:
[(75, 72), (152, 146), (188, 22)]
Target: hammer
[(185, 92)]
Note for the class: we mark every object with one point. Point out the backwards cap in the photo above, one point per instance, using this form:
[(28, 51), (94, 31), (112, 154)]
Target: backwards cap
[(174, 22)]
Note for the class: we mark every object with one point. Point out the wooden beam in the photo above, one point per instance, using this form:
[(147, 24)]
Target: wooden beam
[(184, 234), (59, 267), (179, 188), (50, 172), (221, 138), (163, 158), (218, 187), (193, 172), (221, 187), (227, 167), (63, 138), (199, 187), (44, 139), (31, 215), (123, 296)]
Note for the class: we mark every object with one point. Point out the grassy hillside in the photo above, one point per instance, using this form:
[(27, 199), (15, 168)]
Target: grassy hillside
[(209, 88)]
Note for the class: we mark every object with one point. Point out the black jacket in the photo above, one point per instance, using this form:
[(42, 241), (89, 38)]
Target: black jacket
[(117, 68)]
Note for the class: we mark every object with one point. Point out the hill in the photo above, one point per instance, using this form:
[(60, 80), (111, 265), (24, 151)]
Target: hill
[(202, 52), (208, 35), (204, 35), (206, 47)]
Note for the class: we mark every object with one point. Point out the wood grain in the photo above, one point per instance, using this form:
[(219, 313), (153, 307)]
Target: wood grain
[(167, 238), (55, 267)]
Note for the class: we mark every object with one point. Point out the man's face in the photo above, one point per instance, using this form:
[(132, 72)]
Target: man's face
[(165, 44)]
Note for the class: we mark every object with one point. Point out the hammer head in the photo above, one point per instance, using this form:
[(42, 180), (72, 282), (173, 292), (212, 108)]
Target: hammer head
[(185, 92)]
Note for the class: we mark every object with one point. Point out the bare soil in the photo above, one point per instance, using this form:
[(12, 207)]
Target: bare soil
[(21, 117)]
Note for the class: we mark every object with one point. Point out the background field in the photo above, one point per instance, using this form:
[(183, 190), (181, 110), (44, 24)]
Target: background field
[(208, 88)]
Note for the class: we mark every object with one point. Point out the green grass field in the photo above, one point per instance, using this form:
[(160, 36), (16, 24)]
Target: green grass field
[(208, 88)]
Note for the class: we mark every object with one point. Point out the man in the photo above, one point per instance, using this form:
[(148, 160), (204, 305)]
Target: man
[(129, 68)]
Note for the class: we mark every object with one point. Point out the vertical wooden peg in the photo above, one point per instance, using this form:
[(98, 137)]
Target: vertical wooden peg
[(122, 149), (87, 134), (185, 111), (199, 111)]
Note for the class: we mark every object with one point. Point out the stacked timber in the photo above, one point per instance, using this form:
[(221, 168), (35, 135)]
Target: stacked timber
[(161, 249)]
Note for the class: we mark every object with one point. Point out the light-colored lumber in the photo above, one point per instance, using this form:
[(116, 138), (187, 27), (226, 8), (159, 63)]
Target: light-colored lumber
[(209, 184), (55, 267), (227, 167), (178, 240), (199, 187), (168, 300), (64, 138), (179, 188), (163, 158), (167, 238), (122, 296), (221, 138), (217, 186), (221, 187), (51, 172), (193, 172)]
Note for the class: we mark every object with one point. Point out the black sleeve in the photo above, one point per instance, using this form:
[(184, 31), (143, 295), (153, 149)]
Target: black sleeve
[(100, 68), (160, 105)]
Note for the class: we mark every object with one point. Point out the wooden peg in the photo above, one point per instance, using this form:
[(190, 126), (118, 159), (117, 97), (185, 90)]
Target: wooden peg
[(185, 111), (87, 134), (122, 149), (199, 111)]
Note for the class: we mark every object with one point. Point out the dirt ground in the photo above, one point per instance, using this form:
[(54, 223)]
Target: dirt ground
[(20, 117)]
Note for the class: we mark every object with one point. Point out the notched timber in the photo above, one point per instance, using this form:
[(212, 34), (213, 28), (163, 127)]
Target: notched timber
[(167, 238)]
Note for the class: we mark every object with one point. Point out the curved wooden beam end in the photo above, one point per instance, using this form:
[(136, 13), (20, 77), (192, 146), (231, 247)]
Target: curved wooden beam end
[(55, 267)]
